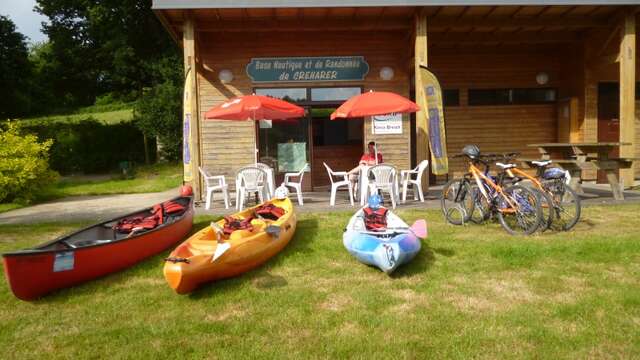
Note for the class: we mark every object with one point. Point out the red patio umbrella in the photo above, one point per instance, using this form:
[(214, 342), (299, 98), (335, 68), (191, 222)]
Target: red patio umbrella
[(374, 103), (254, 107)]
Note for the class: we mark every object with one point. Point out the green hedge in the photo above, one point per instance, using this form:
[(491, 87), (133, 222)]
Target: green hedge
[(90, 146)]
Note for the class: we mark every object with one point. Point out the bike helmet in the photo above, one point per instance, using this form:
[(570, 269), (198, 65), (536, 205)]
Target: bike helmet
[(374, 201), (553, 173), (472, 151)]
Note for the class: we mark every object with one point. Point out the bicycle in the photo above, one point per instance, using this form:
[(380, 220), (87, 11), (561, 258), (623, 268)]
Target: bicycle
[(516, 207), (565, 207)]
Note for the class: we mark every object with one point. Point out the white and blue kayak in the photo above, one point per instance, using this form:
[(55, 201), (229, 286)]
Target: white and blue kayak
[(386, 249)]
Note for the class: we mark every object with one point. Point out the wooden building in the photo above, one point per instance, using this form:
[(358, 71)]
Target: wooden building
[(514, 72)]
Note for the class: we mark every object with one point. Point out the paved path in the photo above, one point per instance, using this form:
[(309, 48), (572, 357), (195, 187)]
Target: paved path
[(94, 208), (77, 208)]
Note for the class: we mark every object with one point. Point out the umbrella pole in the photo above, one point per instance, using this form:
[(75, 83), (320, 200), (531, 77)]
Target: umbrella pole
[(255, 149), (375, 150)]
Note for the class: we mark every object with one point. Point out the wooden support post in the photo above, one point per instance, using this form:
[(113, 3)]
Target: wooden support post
[(420, 57), (627, 95), (189, 48)]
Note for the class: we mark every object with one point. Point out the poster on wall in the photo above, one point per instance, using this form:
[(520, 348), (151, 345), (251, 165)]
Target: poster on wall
[(435, 121), (386, 124), (187, 142), (292, 156)]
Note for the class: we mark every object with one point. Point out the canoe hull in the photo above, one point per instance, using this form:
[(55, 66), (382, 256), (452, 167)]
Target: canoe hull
[(247, 251), (32, 274), (386, 251)]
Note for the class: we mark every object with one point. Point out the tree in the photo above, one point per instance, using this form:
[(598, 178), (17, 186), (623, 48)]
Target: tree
[(15, 71), (107, 46)]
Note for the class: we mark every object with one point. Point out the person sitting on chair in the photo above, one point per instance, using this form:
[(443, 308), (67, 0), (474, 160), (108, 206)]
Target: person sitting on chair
[(375, 215), (367, 159)]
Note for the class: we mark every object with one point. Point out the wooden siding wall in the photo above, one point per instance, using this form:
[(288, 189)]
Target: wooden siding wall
[(228, 145), (497, 128), (594, 74)]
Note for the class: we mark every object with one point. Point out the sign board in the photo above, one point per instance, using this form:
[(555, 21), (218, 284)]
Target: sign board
[(64, 261), (386, 124), (266, 124), (306, 69)]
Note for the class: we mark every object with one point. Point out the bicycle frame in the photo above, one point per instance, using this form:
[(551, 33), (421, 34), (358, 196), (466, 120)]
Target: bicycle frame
[(480, 177)]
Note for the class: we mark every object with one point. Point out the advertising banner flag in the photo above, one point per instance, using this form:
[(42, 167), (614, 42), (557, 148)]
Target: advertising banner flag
[(186, 129), (432, 93)]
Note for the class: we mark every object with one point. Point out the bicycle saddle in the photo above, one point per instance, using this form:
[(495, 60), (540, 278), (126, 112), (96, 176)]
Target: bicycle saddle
[(541, 162), (505, 166)]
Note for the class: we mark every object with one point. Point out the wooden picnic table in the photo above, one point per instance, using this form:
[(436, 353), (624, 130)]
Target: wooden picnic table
[(575, 157)]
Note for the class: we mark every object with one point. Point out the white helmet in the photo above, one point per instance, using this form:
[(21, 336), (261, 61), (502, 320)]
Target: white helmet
[(281, 192)]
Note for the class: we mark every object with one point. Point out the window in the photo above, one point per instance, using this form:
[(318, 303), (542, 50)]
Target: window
[(479, 97), (451, 97), (333, 94), (291, 94)]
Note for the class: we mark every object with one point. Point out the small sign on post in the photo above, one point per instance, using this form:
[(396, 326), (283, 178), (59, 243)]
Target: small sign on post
[(386, 124)]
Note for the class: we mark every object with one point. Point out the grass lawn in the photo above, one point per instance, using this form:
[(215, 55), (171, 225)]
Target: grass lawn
[(109, 114), (471, 292), (151, 178)]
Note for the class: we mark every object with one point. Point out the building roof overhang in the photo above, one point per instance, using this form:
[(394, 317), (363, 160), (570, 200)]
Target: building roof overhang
[(240, 4)]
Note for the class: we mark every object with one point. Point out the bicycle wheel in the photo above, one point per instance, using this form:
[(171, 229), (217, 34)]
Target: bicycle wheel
[(481, 209), (548, 210), (524, 217), (566, 205), (456, 201)]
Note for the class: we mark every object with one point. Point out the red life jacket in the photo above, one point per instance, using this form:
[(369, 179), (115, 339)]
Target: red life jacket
[(375, 220), (172, 207), (270, 211), (232, 224), (146, 223)]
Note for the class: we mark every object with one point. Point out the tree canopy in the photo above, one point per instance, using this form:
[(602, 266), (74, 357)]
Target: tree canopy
[(15, 71), (107, 46)]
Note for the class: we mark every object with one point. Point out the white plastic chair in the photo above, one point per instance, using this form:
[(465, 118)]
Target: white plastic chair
[(296, 185), (270, 178), (336, 184), (214, 183), (384, 179), (249, 180), (406, 179)]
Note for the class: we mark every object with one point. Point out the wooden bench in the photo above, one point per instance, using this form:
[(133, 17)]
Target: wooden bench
[(575, 166)]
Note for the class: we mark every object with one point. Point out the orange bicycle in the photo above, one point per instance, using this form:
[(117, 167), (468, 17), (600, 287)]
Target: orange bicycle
[(517, 207), (561, 205)]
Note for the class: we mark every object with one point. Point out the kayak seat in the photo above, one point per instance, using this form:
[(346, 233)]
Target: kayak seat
[(269, 212), (232, 224)]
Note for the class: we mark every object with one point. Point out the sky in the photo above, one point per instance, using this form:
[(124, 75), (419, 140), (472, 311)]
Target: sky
[(26, 19)]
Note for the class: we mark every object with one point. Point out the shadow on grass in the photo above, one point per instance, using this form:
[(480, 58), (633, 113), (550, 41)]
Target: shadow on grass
[(260, 277), (419, 265)]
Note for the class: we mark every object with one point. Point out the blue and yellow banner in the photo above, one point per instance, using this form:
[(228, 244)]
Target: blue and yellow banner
[(432, 93), (187, 143)]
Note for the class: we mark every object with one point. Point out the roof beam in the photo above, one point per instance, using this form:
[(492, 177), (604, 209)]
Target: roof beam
[(273, 25), (511, 22), (435, 24), (504, 38), (236, 4)]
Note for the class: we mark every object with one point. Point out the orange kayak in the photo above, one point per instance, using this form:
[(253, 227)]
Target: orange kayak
[(209, 255)]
